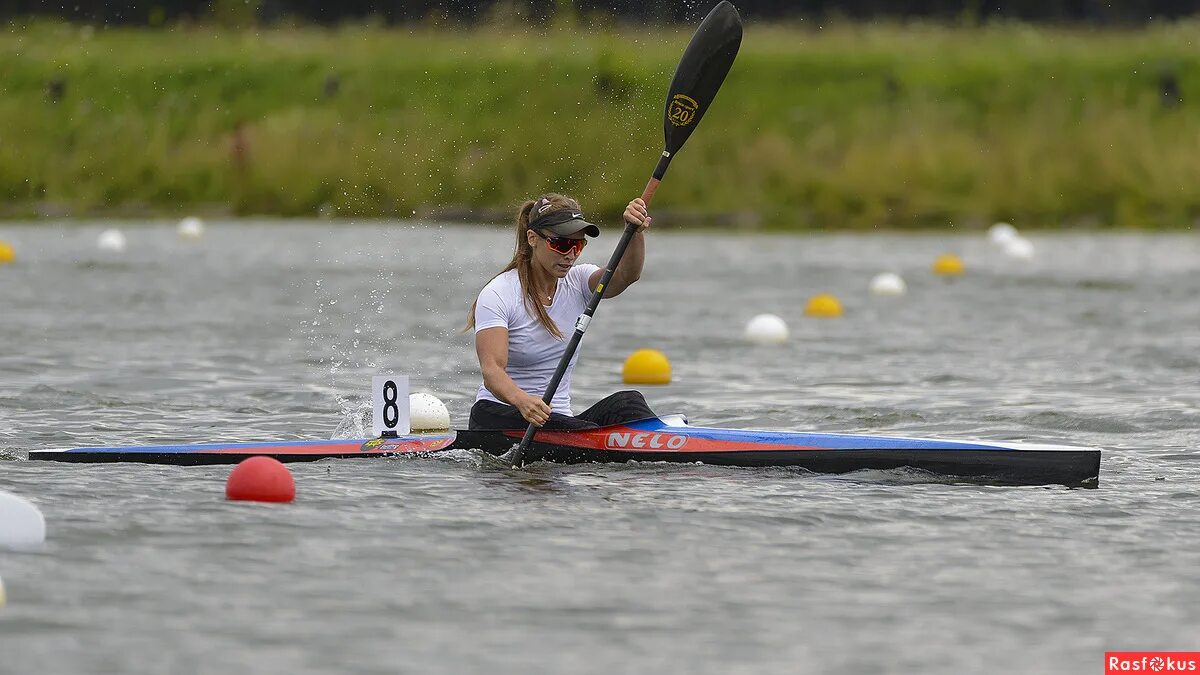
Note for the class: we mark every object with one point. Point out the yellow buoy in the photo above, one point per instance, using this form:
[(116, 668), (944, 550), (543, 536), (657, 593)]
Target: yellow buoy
[(823, 306), (948, 264), (7, 254), (647, 366)]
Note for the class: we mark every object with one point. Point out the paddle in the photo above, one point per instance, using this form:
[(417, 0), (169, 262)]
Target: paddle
[(699, 75)]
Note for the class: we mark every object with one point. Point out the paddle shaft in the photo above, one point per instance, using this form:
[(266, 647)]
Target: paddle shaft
[(705, 62), (582, 322)]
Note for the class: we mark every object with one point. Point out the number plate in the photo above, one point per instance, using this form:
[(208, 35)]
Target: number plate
[(389, 412)]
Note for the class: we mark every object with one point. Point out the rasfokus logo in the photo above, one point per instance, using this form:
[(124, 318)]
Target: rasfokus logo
[(1151, 662), (644, 440)]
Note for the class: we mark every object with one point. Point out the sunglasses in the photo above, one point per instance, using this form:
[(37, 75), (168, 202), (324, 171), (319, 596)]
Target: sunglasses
[(563, 245)]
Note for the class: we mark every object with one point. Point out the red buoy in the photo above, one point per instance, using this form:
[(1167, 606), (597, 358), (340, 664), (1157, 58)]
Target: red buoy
[(260, 479)]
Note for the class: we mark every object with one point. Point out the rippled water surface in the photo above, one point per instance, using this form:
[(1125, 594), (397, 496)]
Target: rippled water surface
[(271, 331)]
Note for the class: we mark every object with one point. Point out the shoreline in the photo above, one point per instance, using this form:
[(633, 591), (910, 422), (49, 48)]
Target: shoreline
[(859, 127)]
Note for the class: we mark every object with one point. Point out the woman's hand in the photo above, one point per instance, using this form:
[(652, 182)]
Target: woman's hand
[(637, 214), (533, 409)]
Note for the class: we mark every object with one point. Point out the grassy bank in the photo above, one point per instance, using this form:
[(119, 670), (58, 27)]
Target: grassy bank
[(848, 126)]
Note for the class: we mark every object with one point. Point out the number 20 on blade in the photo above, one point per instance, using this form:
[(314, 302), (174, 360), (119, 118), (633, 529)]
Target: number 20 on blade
[(389, 410)]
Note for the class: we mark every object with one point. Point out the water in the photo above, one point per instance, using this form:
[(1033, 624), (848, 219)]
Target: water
[(271, 331)]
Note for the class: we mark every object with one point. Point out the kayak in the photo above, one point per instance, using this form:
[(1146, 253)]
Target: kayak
[(662, 439)]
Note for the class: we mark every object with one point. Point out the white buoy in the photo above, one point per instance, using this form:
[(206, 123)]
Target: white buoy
[(191, 228), (426, 412), (1019, 248), (111, 240), (1000, 233), (888, 284), (766, 329), (21, 523)]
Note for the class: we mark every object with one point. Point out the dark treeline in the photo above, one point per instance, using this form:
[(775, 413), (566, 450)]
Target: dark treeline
[(163, 12)]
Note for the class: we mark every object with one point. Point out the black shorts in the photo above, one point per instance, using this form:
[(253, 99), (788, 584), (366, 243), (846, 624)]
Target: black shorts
[(618, 408)]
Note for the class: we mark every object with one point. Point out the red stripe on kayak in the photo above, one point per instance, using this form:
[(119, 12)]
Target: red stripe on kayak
[(626, 439)]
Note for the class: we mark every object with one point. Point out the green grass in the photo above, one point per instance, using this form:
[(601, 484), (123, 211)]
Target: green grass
[(848, 126)]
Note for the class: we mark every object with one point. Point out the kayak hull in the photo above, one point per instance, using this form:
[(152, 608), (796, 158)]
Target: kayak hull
[(667, 439)]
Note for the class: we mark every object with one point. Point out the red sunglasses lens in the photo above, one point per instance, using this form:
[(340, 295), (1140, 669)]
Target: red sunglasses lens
[(565, 245)]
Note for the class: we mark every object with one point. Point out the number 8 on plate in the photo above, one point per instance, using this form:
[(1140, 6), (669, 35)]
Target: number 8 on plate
[(389, 410)]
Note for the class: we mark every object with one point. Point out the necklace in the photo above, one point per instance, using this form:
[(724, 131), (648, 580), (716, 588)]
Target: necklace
[(548, 296)]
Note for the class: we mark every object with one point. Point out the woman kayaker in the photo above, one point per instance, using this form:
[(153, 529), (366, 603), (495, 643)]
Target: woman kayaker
[(524, 316)]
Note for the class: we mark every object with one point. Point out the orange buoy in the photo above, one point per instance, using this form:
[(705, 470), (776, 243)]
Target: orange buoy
[(948, 265), (823, 306), (646, 366), (260, 479)]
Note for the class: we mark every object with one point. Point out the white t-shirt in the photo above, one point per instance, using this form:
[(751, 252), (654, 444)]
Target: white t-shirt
[(533, 353)]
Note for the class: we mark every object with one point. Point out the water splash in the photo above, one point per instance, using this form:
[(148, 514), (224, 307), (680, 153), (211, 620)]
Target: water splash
[(356, 420)]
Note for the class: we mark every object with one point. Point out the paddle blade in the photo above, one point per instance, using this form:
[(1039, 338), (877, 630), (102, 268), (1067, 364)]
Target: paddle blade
[(703, 68)]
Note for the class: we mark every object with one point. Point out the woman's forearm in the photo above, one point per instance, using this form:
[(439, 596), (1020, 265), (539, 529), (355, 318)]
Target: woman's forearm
[(629, 269)]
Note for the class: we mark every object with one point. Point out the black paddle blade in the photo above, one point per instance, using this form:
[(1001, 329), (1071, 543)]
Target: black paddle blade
[(703, 68)]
